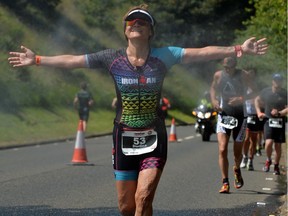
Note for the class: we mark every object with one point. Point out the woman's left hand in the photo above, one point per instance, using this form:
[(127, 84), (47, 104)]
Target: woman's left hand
[(255, 47)]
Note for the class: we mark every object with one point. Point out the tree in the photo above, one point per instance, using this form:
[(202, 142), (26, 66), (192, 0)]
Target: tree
[(270, 21), (194, 23), (98, 13)]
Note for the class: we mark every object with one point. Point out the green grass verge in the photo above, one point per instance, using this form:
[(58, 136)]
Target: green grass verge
[(180, 117), (34, 125), (37, 125)]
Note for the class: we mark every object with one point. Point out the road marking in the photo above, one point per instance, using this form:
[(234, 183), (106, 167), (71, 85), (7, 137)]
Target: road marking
[(189, 137), (267, 189), (269, 179), (261, 203)]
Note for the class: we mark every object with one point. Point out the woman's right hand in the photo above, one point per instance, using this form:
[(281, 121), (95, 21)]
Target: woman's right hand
[(20, 59)]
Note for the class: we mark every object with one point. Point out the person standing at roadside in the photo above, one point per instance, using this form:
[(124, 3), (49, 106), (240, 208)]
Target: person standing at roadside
[(230, 85), (165, 105), (274, 99), (82, 102), (138, 70)]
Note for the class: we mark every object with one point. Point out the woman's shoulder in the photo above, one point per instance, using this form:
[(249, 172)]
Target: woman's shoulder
[(171, 51), (169, 55), (166, 49), (108, 51)]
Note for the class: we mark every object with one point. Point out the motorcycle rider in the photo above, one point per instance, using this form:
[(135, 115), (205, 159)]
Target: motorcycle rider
[(206, 102)]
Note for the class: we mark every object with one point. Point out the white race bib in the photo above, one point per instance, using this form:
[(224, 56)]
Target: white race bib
[(251, 119), (139, 142), (276, 122), (228, 122)]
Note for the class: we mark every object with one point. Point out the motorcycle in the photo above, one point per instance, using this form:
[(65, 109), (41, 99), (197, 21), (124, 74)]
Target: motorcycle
[(206, 121)]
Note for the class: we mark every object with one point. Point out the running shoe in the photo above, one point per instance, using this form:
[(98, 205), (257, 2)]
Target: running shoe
[(244, 162), (258, 152), (250, 166), (225, 188), (276, 169), (266, 168), (238, 183)]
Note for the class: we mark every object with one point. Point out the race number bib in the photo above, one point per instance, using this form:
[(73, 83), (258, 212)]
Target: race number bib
[(228, 122), (251, 119), (276, 122), (138, 142)]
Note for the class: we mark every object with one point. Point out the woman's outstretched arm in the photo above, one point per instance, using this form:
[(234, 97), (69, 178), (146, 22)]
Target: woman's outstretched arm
[(28, 57), (249, 47)]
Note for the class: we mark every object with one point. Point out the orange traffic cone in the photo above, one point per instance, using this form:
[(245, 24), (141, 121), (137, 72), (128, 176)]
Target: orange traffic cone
[(173, 136), (79, 156)]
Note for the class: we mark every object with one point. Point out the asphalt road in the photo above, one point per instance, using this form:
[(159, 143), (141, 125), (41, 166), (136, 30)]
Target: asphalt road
[(39, 180)]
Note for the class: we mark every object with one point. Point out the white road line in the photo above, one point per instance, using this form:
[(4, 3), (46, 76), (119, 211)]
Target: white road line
[(261, 203), (266, 189), (189, 137)]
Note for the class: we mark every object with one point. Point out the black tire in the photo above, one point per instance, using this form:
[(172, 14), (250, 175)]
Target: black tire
[(206, 136)]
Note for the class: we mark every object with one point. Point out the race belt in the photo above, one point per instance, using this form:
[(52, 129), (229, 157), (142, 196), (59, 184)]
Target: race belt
[(228, 122), (138, 142), (276, 122)]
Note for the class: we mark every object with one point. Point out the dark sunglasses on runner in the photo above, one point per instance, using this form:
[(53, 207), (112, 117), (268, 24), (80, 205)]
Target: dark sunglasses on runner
[(140, 22)]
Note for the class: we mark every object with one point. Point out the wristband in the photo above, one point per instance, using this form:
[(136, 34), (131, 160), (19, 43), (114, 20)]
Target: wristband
[(238, 50), (37, 60)]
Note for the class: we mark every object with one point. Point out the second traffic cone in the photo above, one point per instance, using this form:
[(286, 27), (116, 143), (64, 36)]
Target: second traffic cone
[(80, 156), (173, 137)]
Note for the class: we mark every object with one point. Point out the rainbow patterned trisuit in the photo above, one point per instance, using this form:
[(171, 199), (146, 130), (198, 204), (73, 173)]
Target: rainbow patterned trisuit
[(138, 92)]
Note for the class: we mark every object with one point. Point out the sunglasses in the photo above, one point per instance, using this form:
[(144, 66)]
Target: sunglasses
[(138, 21)]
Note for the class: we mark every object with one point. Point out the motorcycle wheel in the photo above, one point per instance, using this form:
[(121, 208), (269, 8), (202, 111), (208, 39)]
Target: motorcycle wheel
[(205, 136)]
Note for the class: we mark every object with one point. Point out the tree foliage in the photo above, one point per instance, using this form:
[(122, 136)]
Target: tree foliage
[(193, 23), (97, 13), (186, 23), (34, 12), (180, 22), (270, 21)]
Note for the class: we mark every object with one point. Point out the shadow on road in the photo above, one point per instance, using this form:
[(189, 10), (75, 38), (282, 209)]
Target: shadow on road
[(251, 210)]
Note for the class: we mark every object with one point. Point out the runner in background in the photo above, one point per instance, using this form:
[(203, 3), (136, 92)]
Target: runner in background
[(229, 84), (253, 123), (260, 139), (274, 99)]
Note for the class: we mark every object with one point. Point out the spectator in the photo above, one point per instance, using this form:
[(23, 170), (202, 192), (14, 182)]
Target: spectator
[(82, 102), (165, 105)]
